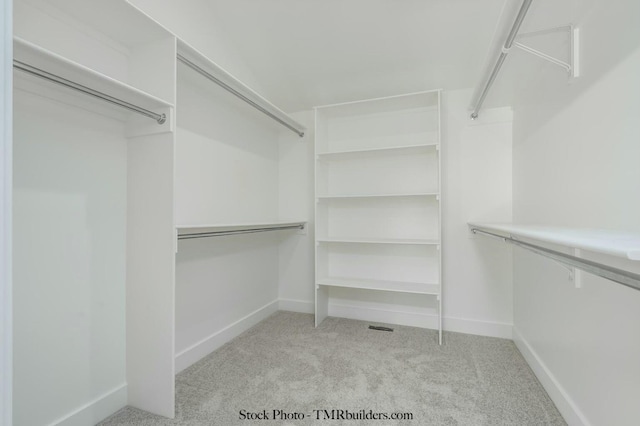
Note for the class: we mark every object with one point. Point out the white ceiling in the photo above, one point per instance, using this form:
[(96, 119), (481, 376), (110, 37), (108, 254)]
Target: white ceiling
[(313, 52)]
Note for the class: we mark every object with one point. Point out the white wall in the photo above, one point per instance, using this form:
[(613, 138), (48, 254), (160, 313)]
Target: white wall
[(226, 156), (477, 275), (69, 208), (226, 172), (575, 163)]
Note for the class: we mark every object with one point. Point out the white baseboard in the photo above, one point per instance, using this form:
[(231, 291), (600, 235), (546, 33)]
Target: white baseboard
[(209, 344), (383, 315), (413, 319), (567, 407), (97, 409), (478, 327), (300, 306)]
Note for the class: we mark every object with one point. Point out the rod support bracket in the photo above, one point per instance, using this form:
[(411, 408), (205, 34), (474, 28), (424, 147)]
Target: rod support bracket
[(572, 66)]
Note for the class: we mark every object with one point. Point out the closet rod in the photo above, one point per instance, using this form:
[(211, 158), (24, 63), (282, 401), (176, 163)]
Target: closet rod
[(230, 89), (620, 276), (236, 232), (160, 118), (503, 55)]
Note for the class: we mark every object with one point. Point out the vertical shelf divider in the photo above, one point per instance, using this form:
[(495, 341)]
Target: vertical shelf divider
[(151, 244)]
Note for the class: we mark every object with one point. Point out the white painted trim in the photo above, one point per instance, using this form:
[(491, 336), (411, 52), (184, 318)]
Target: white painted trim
[(566, 405), (301, 306), (413, 319), (6, 160), (362, 313), (97, 409), (502, 330), (204, 347), (383, 98)]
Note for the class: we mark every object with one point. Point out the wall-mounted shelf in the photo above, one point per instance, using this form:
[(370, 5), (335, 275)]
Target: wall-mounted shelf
[(357, 152), (210, 70), (33, 57), (378, 209), (68, 55), (398, 241), (395, 286), (615, 243)]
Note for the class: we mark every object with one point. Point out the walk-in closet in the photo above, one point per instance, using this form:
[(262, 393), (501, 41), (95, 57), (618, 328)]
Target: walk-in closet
[(297, 212)]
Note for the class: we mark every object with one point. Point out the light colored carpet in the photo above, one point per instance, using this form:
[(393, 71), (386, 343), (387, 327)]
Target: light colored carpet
[(284, 363)]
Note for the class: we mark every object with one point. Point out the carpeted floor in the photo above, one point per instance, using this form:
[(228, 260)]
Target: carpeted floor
[(284, 363)]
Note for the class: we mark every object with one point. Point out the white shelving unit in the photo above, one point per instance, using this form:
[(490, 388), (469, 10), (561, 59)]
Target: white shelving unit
[(378, 198), (66, 45), (112, 171)]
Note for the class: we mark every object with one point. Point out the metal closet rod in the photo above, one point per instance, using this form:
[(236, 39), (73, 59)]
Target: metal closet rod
[(503, 55), (620, 276), (21, 66), (236, 232), (230, 89)]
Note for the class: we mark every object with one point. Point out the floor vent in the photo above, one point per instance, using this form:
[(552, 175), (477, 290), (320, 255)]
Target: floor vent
[(375, 327)]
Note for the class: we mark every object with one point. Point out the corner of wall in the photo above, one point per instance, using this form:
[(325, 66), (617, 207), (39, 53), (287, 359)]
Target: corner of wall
[(295, 201)]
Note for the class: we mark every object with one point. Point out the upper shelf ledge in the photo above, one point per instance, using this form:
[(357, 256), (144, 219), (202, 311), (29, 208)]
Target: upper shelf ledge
[(615, 243), (34, 56), (209, 69)]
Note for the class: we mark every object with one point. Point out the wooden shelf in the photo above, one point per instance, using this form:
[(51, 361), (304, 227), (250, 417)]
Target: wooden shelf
[(53, 63), (247, 226), (406, 149), (400, 241), (394, 286), (359, 196), (615, 243)]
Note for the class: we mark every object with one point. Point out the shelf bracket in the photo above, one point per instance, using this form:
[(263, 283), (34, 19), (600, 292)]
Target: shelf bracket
[(572, 67), (571, 271), (574, 273)]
